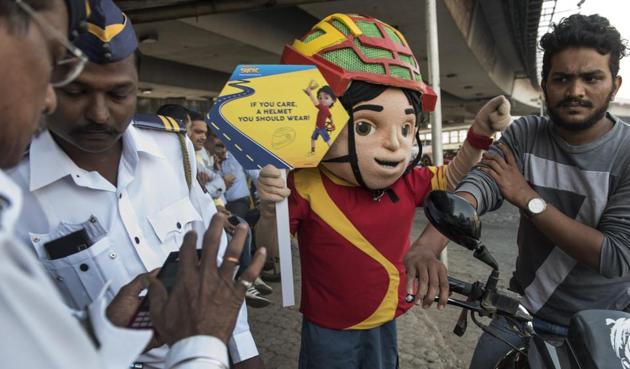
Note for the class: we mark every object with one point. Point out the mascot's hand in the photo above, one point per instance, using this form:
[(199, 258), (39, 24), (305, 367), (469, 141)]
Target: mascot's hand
[(271, 188), (492, 117)]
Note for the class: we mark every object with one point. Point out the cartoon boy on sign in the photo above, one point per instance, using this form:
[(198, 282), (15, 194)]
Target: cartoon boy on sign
[(325, 100)]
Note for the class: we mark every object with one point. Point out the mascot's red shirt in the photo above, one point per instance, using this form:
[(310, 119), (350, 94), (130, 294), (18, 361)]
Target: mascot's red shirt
[(352, 247)]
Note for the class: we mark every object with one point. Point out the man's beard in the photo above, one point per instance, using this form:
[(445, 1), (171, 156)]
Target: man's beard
[(587, 123)]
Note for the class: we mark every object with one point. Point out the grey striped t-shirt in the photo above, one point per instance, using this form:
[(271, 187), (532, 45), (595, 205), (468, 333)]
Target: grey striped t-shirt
[(589, 183)]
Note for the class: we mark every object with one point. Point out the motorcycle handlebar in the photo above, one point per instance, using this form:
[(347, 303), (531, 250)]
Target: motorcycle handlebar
[(494, 300), (459, 286)]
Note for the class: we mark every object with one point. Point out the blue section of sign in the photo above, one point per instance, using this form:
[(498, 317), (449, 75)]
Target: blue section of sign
[(248, 153), (249, 71)]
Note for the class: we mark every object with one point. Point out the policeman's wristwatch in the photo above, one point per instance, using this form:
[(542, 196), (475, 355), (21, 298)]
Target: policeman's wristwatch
[(535, 206)]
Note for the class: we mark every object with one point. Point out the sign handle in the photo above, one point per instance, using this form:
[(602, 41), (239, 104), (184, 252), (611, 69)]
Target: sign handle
[(284, 246)]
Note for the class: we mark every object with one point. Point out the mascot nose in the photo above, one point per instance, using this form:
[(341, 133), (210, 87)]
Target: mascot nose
[(391, 141)]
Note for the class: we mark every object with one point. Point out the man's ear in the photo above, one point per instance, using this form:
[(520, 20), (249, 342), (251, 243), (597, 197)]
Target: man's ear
[(616, 85)]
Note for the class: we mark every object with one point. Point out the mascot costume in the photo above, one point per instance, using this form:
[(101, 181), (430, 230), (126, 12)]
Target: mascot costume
[(353, 213)]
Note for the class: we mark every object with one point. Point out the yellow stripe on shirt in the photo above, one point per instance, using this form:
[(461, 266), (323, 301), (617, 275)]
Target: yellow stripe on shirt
[(309, 184)]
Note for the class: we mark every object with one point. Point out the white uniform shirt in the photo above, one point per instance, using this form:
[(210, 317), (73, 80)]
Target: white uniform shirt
[(134, 226), (33, 316)]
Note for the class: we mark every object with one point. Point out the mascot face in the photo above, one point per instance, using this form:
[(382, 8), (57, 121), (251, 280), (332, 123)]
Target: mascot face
[(383, 129)]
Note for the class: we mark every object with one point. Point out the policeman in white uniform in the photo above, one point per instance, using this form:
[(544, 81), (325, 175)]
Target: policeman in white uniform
[(129, 227)]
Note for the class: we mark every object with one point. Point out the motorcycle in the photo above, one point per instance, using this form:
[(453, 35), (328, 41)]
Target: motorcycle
[(597, 339)]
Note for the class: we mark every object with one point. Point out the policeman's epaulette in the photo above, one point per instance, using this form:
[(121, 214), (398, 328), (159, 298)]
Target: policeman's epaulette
[(158, 123)]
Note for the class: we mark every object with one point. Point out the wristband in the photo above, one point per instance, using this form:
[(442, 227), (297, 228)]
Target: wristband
[(479, 142)]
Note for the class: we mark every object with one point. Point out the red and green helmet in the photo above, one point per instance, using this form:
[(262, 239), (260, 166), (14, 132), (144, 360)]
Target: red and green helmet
[(348, 47)]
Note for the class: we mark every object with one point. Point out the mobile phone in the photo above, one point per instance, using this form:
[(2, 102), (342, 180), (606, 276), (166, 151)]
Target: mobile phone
[(167, 275), (68, 245)]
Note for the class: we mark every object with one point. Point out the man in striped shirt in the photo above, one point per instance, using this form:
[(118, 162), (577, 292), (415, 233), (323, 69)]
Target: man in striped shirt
[(569, 174)]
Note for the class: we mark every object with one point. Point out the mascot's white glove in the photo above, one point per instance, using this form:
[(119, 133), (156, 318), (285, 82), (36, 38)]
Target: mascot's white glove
[(271, 189), (492, 117)]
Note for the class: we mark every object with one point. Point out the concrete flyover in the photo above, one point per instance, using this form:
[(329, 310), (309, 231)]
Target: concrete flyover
[(486, 47)]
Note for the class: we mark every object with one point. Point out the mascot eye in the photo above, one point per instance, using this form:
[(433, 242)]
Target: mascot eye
[(406, 129), (364, 129)]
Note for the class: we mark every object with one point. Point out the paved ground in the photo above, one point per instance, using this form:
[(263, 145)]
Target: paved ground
[(424, 336)]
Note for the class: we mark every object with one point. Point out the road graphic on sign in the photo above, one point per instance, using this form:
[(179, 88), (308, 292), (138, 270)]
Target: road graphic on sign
[(250, 154)]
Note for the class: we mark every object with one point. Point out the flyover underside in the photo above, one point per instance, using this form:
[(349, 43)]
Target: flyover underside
[(479, 56)]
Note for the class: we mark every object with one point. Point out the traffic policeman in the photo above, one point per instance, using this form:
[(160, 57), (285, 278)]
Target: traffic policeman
[(109, 196)]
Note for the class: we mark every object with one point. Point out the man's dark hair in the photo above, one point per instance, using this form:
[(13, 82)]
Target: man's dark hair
[(195, 115), (592, 31), (16, 20), (363, 91), (174, 111)]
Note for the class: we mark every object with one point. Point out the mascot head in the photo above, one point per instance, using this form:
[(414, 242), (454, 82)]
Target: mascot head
[(371, 69)]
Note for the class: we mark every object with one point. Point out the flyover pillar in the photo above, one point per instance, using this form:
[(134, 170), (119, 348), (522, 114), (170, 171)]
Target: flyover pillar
[(434, 79)]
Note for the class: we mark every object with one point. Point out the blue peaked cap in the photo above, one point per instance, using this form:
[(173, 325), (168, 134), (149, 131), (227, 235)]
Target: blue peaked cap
[(109, 36), (77, 15)]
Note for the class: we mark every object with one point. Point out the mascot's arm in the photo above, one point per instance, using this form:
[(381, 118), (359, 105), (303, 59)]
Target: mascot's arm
[(492, 117)]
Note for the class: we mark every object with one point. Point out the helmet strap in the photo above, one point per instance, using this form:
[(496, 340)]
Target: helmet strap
[(353, 159), (415, 160), (378, 194)]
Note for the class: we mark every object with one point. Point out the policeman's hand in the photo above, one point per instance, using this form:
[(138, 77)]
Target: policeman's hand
[(205, 298), (125, 304), (493, 116), (431, 276), (203, 178), (272, 189), (506, 173)]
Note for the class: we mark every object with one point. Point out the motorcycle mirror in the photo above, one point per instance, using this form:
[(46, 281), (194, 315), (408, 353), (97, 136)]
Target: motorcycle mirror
[(454, 217)]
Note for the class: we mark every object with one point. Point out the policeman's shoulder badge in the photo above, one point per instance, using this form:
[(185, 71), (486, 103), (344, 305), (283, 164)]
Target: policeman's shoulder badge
[(167, 124), (158, 123)]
